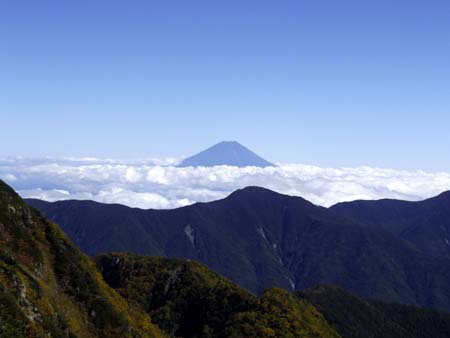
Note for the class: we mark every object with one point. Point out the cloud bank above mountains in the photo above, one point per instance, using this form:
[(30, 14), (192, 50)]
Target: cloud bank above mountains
[(159, 184)]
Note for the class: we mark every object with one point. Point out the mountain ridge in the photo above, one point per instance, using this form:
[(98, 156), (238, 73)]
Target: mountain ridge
[(188, 300), (425, 224), (48, 288), (259, 239)]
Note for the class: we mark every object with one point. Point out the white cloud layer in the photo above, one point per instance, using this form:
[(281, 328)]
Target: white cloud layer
[(158, 184)]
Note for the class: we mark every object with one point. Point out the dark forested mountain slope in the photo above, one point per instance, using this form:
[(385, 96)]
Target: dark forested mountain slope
[(261, 239), (188, 300), (48, 288), (425, 224), (354, 317)]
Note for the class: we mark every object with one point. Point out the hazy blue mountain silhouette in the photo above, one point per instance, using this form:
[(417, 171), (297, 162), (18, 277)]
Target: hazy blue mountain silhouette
[(229, 153)]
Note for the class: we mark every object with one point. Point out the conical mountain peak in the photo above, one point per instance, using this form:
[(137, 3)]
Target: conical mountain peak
[(230, 153)]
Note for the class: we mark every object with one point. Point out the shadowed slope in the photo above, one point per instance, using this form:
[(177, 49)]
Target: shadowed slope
[(261, 239), (188, 300), (354, 317), (425, 224)]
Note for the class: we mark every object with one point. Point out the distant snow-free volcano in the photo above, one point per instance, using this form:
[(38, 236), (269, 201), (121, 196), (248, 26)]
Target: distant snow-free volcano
[(226, 153)]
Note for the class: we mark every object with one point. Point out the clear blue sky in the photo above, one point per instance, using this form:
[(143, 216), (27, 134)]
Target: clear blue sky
[(321, 82)]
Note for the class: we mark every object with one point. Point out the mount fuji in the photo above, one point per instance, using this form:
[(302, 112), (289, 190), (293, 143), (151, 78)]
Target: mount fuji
[(229, 153)]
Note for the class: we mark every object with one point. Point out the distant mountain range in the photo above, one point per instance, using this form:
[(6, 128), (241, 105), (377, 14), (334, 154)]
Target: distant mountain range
[(259, 239), (229, 153), (48, 288), (425, 224)]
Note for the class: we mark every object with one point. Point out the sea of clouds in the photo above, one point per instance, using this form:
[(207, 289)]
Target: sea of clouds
[(160, 184)]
